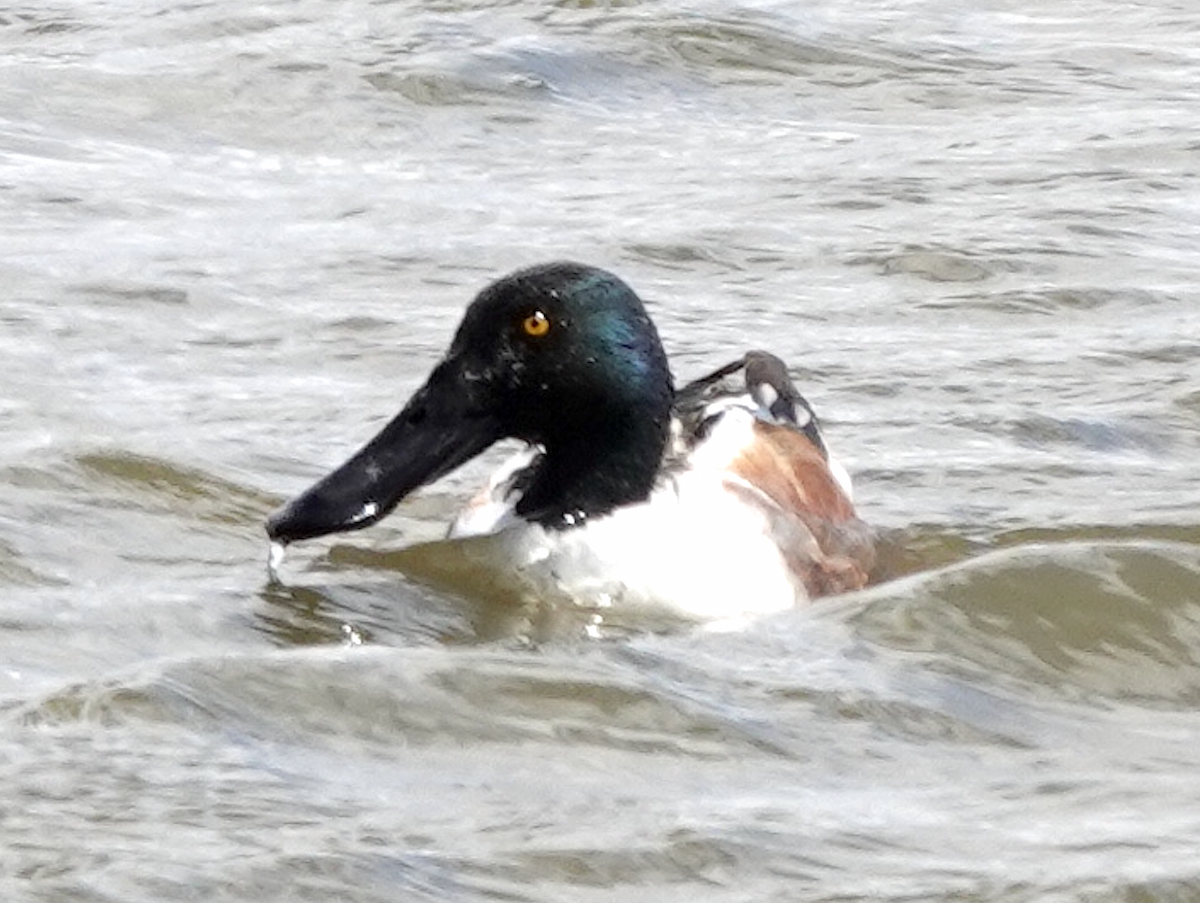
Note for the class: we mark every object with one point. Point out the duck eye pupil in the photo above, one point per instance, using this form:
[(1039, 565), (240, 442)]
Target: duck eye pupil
[(537, 324)]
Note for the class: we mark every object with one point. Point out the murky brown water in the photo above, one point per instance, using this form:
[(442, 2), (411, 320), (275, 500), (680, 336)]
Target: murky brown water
[(235, 239)]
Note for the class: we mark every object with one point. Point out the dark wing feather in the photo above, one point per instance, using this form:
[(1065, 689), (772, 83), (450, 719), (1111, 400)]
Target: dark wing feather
[(758, 375)]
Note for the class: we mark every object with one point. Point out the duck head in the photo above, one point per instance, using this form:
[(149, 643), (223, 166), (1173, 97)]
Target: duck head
[(562, 355)]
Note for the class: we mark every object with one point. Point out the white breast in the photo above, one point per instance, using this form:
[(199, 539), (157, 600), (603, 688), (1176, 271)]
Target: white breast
[(694, 548), (704, 545)]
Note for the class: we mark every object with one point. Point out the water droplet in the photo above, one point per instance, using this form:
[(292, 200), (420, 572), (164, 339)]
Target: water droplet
[(593, 629), (275, 556), (370, 509)]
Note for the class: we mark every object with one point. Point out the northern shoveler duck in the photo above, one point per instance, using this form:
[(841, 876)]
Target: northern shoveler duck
[(718, 499)]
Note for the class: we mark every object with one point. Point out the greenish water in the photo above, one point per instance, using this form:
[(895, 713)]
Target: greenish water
[(237, 237)]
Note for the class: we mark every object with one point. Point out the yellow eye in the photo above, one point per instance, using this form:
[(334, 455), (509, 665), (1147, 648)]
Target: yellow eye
[(537, 324)]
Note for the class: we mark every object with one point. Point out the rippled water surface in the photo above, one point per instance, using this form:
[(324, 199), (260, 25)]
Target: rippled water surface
[(236, 236)]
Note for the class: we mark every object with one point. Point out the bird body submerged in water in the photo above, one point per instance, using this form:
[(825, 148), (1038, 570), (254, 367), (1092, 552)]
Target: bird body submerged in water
[(718, 499)]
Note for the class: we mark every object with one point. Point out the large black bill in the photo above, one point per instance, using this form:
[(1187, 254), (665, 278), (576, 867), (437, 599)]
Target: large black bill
[(435, 433)]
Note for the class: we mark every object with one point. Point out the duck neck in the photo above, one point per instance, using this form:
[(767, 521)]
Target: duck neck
[(587, 471)]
